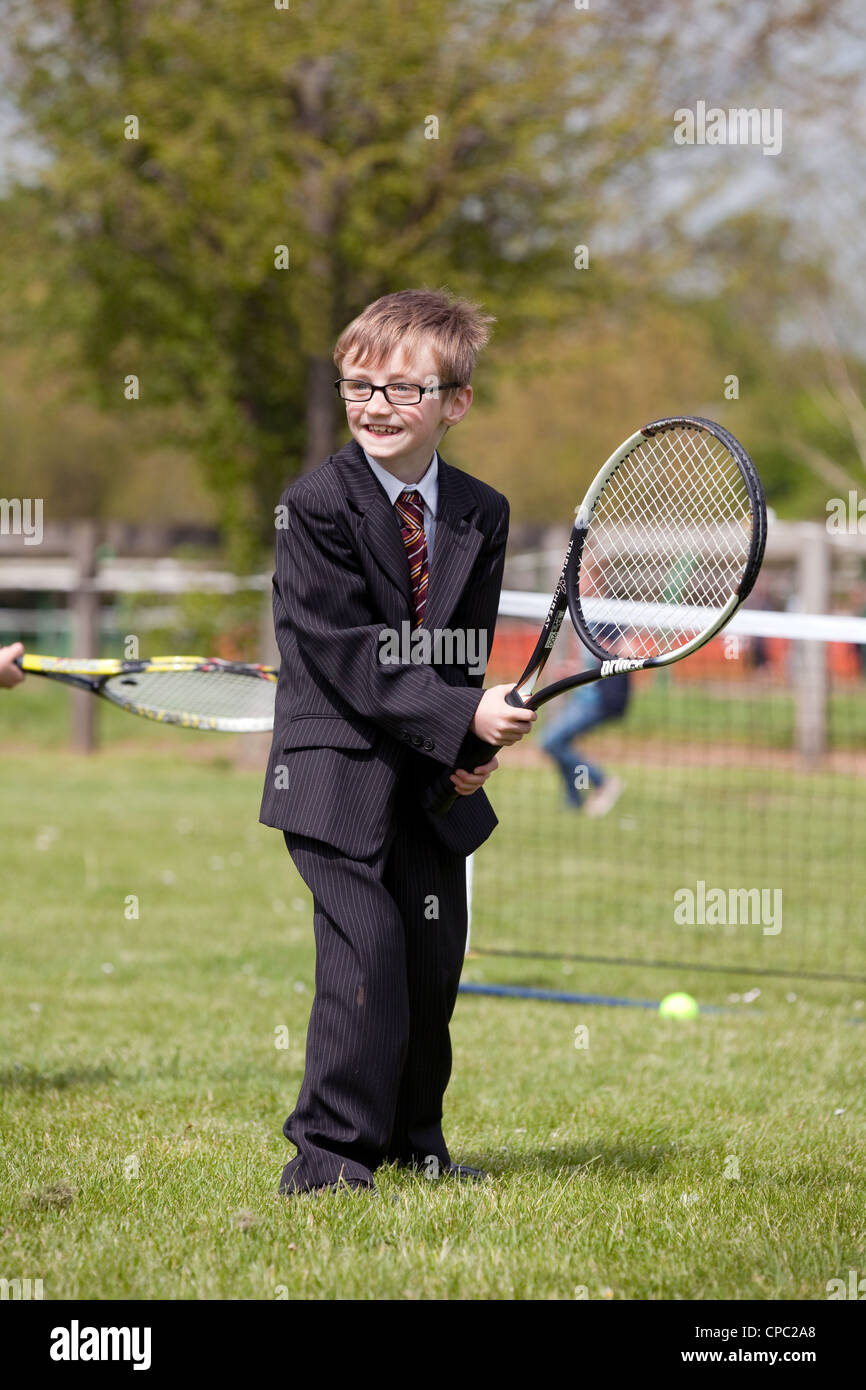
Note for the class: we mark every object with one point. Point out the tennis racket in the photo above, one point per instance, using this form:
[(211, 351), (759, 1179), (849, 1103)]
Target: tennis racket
[(666, 545), (195, 691)]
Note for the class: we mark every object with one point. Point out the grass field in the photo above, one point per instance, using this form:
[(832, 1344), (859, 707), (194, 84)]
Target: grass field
[(143, 1093)]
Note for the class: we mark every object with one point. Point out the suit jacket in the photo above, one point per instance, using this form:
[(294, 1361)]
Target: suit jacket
[(352, 733)]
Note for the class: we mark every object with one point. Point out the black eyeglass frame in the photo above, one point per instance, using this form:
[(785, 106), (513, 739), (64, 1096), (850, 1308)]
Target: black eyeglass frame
[(422, 390)]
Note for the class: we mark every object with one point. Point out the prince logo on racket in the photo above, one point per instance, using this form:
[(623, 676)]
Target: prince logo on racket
[(615, 668), (386, 536)]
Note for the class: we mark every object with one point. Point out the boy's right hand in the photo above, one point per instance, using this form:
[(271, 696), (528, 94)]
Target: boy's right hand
[(498, 723)]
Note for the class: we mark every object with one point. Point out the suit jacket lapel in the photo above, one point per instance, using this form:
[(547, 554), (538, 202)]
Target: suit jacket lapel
[(380, 529), (455, 547)]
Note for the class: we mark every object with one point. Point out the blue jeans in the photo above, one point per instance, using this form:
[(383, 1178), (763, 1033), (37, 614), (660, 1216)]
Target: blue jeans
[(583, 712)]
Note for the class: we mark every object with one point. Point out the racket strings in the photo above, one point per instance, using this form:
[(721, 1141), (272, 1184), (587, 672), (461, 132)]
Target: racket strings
[(227, 699), (670, 531)]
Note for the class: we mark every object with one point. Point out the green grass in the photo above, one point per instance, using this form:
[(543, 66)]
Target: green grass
[(681, 712), (40, 716), (143, 1095)]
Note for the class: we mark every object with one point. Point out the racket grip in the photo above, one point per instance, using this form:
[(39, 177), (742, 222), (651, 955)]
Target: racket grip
[(440, 795)]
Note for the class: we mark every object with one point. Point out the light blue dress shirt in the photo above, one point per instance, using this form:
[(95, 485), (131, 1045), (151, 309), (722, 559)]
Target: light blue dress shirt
[(428, 488)]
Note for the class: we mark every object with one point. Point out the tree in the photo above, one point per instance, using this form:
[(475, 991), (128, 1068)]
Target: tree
[(418, 143), (473, 143)]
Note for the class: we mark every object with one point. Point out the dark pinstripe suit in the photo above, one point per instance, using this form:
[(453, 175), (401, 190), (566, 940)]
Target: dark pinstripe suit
[(355, 743)]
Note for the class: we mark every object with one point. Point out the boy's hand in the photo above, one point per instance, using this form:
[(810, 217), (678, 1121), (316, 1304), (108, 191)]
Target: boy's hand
[(498, 723), (465, 783)]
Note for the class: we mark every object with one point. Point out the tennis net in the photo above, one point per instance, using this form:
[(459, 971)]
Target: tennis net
[(736, 841)]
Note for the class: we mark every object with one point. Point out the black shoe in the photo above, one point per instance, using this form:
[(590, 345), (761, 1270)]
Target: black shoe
[(341, 1185), (462, 1170), (443, 1170)]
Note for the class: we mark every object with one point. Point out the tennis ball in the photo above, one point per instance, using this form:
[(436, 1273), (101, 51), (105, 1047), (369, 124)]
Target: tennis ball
[(679, 1006)]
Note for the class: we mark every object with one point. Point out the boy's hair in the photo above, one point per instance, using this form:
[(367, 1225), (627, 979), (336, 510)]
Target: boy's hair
[(454, 329)]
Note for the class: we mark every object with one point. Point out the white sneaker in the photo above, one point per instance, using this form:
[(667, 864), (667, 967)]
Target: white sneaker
[(605, 797)]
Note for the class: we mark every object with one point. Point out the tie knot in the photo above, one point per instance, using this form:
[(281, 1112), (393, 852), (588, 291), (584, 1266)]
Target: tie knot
[(410, 507)]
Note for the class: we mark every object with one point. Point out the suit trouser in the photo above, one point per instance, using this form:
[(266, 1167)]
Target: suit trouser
[(390, 940)]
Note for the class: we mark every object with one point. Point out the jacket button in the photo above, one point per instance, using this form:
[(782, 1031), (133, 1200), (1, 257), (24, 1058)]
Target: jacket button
[(429, 744), (417, 740), (404, 733)]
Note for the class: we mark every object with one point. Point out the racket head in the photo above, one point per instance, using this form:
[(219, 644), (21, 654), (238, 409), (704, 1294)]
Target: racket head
[(671, 538), (222, 696), (196, 692)]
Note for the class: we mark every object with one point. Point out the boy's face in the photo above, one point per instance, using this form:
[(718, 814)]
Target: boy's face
[(402, 437)]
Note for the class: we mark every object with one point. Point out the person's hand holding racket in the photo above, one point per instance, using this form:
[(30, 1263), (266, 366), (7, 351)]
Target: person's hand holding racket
[(499, 724), (10, 673)]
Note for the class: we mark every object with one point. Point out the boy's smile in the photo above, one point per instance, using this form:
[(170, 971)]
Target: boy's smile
[(402, 437)]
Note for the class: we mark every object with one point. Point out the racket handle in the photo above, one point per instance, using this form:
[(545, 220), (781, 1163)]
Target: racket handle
[(474, 752), (440, 795)]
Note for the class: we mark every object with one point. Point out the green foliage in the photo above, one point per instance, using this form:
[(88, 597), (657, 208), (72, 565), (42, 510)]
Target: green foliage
[(155, 257), (224, 625), (265, 128)]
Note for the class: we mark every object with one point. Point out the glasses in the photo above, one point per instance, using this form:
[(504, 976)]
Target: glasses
[(395, 393)]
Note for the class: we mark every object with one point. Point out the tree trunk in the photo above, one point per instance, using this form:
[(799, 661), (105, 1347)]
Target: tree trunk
[(316, 317), (321, 417)]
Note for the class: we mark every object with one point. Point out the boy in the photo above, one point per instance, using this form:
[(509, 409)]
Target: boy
[(382, 535)]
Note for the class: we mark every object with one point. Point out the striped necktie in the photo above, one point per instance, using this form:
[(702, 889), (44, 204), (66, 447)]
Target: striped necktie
[(410, 509)]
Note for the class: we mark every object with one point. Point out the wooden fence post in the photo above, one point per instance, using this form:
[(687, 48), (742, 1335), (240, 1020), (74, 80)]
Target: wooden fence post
[(810, 674), (85, 632)]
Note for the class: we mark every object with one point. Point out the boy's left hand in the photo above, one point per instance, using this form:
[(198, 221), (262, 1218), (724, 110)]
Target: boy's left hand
[(465, 783)]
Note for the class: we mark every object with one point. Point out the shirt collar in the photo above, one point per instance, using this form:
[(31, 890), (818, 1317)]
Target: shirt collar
[(428, 485)]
